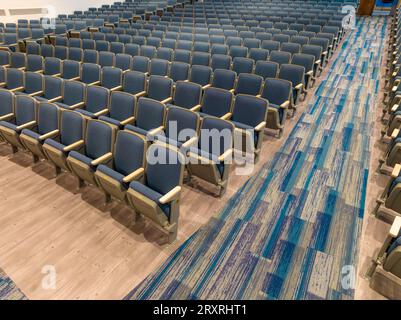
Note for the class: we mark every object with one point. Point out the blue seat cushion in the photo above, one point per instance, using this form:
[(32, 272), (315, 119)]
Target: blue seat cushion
[(8, 125), (136, 129), (280, 111), (55, 144), (394, 245), (82, 158), (112, 174), (150, 194), (111, 120), (246, 127), (394, 183), (31, 134), (219, 165)]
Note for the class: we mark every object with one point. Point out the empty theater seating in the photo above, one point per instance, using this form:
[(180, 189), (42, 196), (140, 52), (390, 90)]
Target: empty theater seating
[(101, 93)]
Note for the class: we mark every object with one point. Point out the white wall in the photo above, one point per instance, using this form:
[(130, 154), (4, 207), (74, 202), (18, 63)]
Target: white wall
[(55, 6)]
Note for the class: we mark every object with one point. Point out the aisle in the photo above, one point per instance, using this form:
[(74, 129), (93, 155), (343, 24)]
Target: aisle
[(292, 230)]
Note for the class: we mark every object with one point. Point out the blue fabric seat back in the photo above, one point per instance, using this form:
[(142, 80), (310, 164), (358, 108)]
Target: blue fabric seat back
[(277, 91), (25, 109), (132, 49), (220, 61), (179, 71), (243, 65), (34, 62), (201, 75), (201, 47), (305, 60), (48, 118), (61, 52), (98, 139), (102, 45), (106, 59), (52, 66), (134, 82), (129, 152), (238, 51), (73, 93), (249, 84), (164, 53), (252, 43), (150, 114), (292, 48), (88, 44), (122, 105), (53, 87), (15, 78), (258, 54), (117, 47), (75, 43), (71, 69), (90, 73), (4, 58), (18, 60), (160, 88), (169, 43), (270, 45), (159, 67), (75, 54), (313, 50), (123, 61), (7, 102), (148, 51), (216, 102), (182, 55), (233, 41), (216, 136), (178, 120), (97, 99), (201, 58), (224, 79), (300, 40), (72, 127), (293, 73), (47, 50), (249, 110), (219, 49), (111, 77), (187, 94), (61, 41), (33, 82), (163, 177), (140, 63), (280, 57), (324, 43)]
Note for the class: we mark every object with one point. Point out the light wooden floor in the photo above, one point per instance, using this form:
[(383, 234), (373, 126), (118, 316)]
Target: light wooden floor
[(98, 251)]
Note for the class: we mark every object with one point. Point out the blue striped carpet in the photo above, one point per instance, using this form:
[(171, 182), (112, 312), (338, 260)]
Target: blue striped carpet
[(291, 228), (8, 289)]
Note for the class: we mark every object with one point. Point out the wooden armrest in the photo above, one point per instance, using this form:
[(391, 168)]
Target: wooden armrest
[(167, 100), (56, 75), (74, 145), (172, 195), (394, 89), (285, 104), (134, 175), (324, 53), (395, 133), (127, 121), (298, 86), (225, 155), (102, 159), (395, 107), (140, 94), (196, 108), (231, 90), (309, 73), (101, 112), (395, 227), (118, 88), (155, 131), (77, 105), (37, 93), (56, 99), (96, 83), (396, 171), (16, 89), (318, 61), (260, 126), (7, 117), (50, 134), (26, 125), (190, 142), (206, 86), (226, 116)]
